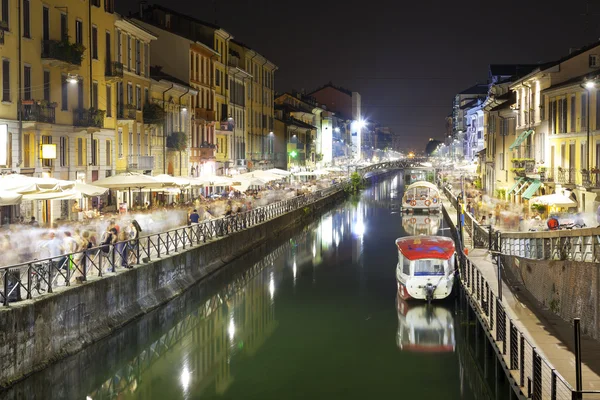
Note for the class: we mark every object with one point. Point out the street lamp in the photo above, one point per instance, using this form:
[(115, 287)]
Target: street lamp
[(589, 86)]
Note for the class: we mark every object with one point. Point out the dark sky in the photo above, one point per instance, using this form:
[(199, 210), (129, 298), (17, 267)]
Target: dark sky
[(406, 59)]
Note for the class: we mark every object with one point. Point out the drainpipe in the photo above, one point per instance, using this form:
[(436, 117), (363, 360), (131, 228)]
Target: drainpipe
[(181, 125), (19, 78), (164, 128)]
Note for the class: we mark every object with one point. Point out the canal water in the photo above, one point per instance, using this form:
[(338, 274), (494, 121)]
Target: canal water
[(314, 315)]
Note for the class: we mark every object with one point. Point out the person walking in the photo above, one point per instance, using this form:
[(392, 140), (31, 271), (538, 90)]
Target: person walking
[(194, 217)]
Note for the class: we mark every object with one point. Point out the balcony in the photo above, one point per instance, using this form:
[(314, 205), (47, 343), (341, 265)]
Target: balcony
[(226, 126), (140, 163), (128, 111), (88, 117), (566, 176), (39, 111), (62, 54), (113, 71), (202, 114), (205, 152)]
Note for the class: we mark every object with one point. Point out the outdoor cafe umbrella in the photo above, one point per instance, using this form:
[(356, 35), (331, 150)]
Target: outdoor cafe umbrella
[(557, 200), (8, 198), (129, 180)]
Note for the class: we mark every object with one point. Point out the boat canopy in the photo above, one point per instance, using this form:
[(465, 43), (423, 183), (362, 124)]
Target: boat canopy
[(423, 247), (422, 184)]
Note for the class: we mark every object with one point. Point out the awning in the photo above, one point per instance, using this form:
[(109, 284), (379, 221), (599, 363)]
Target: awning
[(513, 187), (533, 187), (520, 139)]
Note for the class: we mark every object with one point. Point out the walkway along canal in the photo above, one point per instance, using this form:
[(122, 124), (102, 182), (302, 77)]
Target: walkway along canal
[(311, 314), (540, 364)]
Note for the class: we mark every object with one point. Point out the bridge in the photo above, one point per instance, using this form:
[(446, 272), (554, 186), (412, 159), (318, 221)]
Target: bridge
[(405, 163)]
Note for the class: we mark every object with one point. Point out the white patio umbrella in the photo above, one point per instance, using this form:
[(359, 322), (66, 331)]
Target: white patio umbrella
[(555, 199), (172, 180), (88, 190), (8, 198), (277, 171), (129, 180)]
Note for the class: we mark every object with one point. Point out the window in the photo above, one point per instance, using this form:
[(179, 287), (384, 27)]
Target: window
[(5, 80), (47, 85), (405, 264), (96, 3), (80, 151), (94, 42), (583, 158), (573, 118), (146, 60), (108, 150), (130, 143), (45, 23), (5, 11), (594, 60), (108, 101), (129, 93), (128, 53), (138, 57), (217, 78), (138, 97), (583, 111), (109, 6), (563, 125), (119, 47), (26, 19), (79, 32), (27, 144), (139, 144), (95, 151), (27, 82), (120, 142), (95, 95), (80, 93), (429, 267), (64, 27), (64, 151), (47, 140), (64, 95), (5, 146), (146, 96)]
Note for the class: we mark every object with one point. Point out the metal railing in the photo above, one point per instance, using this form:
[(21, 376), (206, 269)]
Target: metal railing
[(575, 245), (535, 375), (36, 277), (483, 236)]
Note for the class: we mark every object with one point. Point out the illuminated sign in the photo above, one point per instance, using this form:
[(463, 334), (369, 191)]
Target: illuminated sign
[(48, 152)]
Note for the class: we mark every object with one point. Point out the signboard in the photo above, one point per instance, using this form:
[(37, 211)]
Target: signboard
[(48, 152)]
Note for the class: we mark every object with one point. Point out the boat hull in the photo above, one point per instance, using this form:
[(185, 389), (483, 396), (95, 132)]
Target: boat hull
[(413, 288)]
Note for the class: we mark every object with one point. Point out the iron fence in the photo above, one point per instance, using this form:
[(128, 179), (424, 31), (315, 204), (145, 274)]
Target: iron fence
[(535, 375), (575, 245), (28, 280)]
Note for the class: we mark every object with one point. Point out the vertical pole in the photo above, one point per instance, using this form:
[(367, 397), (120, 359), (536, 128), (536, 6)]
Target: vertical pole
[(577, 334), (499, 268)]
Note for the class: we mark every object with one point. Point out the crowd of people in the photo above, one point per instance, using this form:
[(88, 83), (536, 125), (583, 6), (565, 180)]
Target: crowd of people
[(26, 240)]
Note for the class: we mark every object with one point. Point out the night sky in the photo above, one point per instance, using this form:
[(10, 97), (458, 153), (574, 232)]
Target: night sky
[(406, 59)]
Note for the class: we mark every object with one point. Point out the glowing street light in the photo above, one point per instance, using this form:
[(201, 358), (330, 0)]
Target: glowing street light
[(590, 84)]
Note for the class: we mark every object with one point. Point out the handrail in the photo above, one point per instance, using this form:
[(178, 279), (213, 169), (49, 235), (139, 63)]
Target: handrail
[(36, 277), (536, 375)]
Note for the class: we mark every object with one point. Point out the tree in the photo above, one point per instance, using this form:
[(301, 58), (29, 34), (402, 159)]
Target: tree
[(432, 146), (177, 141)]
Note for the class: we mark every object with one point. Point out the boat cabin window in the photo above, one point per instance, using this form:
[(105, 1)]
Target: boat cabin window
[(429, 267), (405, 265)]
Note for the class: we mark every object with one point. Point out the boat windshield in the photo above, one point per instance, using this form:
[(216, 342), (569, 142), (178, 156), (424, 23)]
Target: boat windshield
[(429, 267)]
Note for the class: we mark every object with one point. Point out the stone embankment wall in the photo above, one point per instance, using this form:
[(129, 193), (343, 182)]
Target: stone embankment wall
[(37, 332), (570, 289)]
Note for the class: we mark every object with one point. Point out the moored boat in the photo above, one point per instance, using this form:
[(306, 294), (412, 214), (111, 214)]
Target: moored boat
[(421, 196), (419, 224), (426, 267)]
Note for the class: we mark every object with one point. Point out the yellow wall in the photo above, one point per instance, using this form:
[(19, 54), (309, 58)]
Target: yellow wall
[(222, 147)]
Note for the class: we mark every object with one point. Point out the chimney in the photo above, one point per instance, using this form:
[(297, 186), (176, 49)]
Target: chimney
[(142, 6)]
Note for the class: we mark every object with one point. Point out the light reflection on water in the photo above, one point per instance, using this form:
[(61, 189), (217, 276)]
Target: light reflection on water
[(312, 317)]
